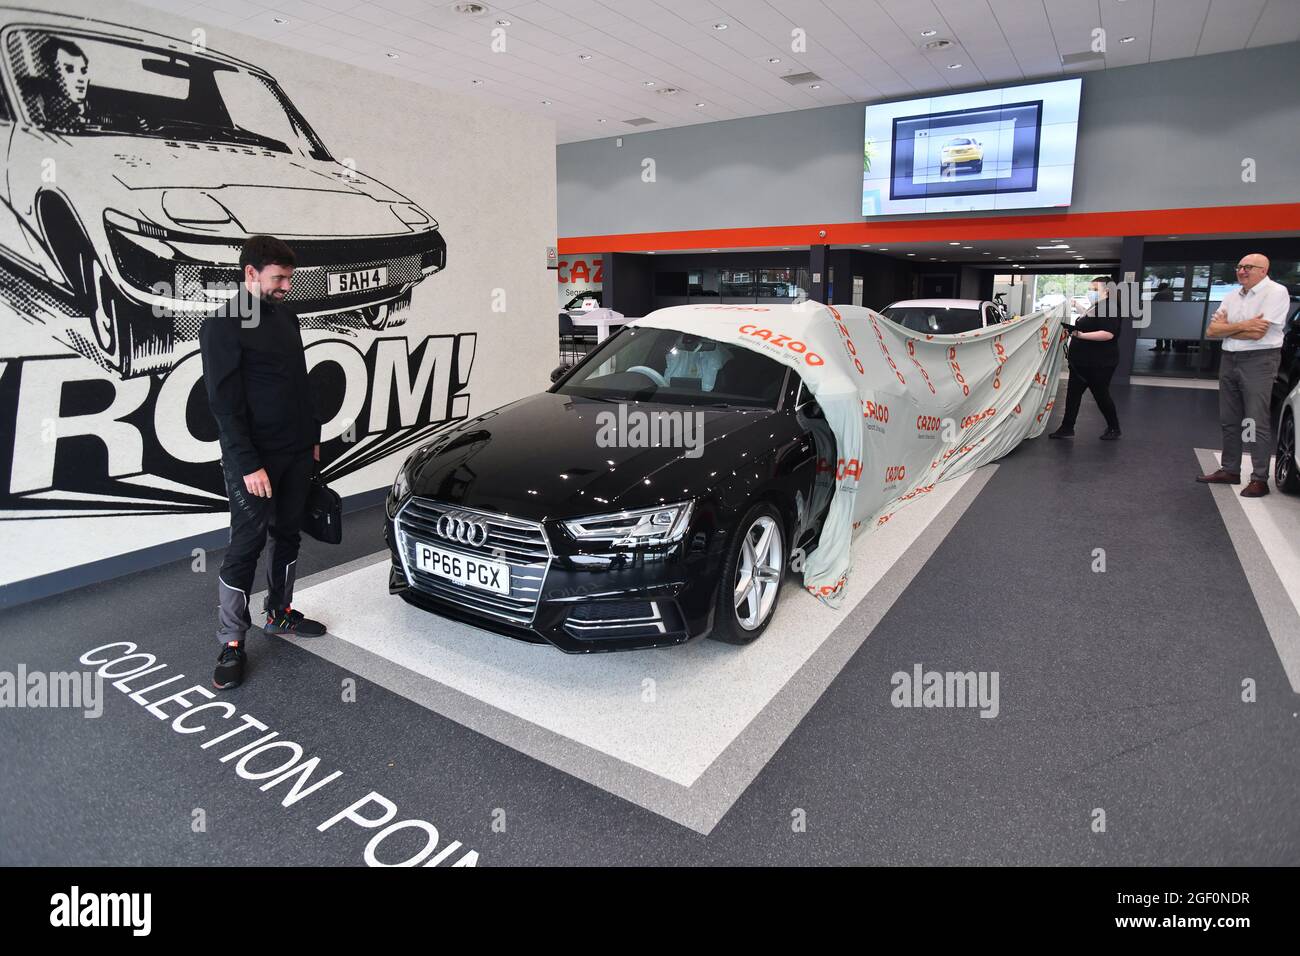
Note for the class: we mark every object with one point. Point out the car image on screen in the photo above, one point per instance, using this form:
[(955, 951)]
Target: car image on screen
[(168, 156), (962, 153)]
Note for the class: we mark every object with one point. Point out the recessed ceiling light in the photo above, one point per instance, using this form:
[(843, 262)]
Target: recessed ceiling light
[(815, 86), (649, 253), (699, 104), (954, 66), (279, 20), (393, 56), (968, 247), (471, 9), (647, 82), (1127, 39), (884, 248), (939, 44), (773, 59), (584, 56), (600, 121), (503, 23), (475, 82), (954, 243), (546, 102), (932, 259), (911, 253), (713, 250), (866, 245), (1001, 257), (928, 33), (719, 26), (986, 253), (668, 91)]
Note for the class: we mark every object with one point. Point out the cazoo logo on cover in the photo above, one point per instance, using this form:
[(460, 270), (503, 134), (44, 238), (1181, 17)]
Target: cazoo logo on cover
[(138, 165)]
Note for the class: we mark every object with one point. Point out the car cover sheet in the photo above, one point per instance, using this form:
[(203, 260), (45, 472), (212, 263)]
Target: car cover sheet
[(906, 409)]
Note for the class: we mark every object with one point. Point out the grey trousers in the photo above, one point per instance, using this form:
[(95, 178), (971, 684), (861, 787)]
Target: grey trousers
[(1245, 394)]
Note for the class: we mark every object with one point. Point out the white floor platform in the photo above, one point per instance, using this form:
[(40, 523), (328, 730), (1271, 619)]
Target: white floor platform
[(679, 730)]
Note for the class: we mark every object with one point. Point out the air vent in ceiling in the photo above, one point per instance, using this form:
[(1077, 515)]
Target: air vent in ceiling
[(938, 44), (639, 121), (1082, 59), (799, 79)]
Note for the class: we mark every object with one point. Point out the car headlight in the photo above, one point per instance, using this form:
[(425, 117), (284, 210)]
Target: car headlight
[(645, 526), (410, 214), (402, 484)]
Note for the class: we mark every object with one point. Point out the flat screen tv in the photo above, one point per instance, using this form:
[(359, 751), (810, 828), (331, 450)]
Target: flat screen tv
[(1009, 148)]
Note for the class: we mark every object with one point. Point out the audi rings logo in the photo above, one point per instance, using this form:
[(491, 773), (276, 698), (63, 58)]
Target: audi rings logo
[(463, 528)]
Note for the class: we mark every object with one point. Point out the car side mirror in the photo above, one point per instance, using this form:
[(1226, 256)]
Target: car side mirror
[(559, 372)]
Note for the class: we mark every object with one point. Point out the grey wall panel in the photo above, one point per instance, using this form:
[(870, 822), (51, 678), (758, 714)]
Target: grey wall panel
[(1162, 135)]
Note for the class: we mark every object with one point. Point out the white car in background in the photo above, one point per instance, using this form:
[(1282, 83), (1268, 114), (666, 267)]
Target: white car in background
[(943, 316), (1286, 470)]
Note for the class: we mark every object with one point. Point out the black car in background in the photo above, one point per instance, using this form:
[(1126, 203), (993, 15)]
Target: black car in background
[(1288, 369), (529, 521)]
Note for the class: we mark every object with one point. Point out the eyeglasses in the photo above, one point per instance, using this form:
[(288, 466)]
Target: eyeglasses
[(1247, 268)]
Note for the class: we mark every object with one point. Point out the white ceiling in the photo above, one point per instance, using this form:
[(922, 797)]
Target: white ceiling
[(862, 49)]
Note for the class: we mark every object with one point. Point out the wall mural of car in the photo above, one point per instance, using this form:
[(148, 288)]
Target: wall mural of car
[(962, 152), (137, 165), (522, 521)]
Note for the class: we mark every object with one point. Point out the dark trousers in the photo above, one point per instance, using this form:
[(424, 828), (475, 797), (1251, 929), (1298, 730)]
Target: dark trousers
[(1095, 379), (251, 519), (1245, 397)]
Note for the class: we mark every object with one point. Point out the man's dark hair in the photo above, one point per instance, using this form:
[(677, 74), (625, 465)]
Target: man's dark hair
[(1102, 279), (50, 52), (262, 251)]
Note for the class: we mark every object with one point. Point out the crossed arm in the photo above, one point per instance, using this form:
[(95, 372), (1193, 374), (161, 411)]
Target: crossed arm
[(1221, 328)]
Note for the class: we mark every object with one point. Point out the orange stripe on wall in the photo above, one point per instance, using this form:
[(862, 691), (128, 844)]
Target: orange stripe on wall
[(1227, 220)]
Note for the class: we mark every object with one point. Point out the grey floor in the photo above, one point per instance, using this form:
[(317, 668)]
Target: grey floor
[(1120, 692)]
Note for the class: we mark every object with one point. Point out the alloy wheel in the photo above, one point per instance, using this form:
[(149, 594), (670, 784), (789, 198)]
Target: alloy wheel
[(758, 573)]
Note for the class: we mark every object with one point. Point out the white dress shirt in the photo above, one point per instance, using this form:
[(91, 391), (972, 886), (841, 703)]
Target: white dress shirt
[(1267, 298)]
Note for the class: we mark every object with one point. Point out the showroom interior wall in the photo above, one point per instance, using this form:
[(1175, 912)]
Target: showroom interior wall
[(105, 470), (1164, 135)]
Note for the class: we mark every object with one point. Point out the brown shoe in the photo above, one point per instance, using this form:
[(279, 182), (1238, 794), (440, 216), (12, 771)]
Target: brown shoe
[(1255, 489), (1221, 477)]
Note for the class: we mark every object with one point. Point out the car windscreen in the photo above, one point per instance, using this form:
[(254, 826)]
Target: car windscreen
[(934, 320), (663, 365), (76, 84)]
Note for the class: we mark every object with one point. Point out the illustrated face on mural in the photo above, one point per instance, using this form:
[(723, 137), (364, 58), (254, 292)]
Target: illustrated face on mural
[(271, 283), (71, 74)]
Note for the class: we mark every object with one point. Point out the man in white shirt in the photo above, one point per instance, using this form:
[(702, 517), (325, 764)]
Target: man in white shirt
[(1250, 321)]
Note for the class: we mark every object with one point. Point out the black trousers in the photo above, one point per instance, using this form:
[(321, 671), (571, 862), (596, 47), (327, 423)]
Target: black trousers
[(1095, 379), (251, 519)]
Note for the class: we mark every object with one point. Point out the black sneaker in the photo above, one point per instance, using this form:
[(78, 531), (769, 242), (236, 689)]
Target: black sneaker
[(1110, 434), (230, 667), (1062, 433), (290, 621)]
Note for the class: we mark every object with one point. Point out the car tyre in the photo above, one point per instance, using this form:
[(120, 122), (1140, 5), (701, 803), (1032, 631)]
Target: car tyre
[(1286, 471), (754, 570)]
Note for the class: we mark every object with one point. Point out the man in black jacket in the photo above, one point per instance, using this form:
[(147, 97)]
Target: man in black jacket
[(256, 379)]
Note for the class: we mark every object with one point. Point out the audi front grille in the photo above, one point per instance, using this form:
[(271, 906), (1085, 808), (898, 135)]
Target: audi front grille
[(520, 544)]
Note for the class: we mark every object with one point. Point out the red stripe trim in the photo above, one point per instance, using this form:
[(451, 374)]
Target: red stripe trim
[(1226, 220)]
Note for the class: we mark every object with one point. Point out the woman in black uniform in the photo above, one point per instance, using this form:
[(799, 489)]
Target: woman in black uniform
[(1094, 353)]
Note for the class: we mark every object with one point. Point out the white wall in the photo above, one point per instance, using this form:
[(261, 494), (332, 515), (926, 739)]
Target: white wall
[(485, 174)]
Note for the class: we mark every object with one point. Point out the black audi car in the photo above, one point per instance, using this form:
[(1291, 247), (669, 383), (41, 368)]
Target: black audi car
[(655, 493)]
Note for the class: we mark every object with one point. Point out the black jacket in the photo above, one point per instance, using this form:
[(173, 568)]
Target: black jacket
[(1103, 316), (256, 378)]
